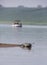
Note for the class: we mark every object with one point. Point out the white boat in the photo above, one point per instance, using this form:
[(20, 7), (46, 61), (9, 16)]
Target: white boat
[(17, 24)]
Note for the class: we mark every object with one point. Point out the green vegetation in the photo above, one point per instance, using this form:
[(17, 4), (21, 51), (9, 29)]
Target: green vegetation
[(29, 16)]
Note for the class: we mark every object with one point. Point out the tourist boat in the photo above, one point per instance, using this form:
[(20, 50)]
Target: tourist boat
[(17, 24)]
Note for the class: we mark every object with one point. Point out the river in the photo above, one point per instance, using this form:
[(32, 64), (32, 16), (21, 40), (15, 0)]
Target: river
[(18, 56)]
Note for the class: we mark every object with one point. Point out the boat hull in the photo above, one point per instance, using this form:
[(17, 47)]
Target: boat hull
[(15, 25)]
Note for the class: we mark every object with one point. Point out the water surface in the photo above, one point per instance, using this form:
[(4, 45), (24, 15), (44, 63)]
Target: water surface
[(19, 56)]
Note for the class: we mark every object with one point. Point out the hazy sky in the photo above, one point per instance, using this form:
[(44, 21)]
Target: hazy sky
[(26, 3)]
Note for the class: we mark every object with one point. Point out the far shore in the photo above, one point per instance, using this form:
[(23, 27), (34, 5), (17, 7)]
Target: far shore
[(25, 23)]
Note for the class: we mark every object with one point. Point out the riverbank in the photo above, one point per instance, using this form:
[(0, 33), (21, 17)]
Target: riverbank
[(25, 22)]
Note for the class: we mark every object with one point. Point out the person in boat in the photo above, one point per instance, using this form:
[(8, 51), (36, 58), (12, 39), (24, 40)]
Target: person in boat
[(16, 23), (19, 24)]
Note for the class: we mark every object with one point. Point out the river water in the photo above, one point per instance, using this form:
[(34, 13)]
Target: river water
[(36, 35)]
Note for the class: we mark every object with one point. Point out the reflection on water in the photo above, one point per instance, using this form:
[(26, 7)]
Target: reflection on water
[(18, 56)]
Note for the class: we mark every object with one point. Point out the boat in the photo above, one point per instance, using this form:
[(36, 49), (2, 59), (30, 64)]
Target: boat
[(25, 45), (17, 23)]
